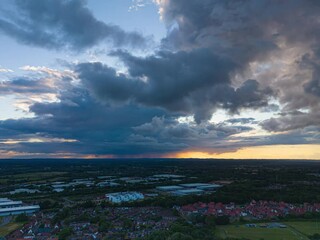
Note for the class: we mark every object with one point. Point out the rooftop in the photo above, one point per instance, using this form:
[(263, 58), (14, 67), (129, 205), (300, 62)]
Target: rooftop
[(168, 176), (188, 191), (169, 188), (23, 208), (10, 203)]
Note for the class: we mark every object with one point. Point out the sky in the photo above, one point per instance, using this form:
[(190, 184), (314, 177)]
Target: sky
[(160, 78)]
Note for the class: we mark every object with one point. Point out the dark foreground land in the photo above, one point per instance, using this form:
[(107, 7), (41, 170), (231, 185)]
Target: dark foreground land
[(255, 199)]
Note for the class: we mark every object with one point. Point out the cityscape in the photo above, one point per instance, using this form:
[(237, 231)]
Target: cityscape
[(149, 200)]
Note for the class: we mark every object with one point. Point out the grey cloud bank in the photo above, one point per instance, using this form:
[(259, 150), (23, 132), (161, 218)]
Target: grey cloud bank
[(231, 55), (63, 24), (195, 82)]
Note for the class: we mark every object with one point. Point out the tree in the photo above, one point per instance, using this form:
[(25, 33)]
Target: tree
[(65, 233), (22, 218)]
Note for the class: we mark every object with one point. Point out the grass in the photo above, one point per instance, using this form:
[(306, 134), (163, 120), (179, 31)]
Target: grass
[(307, 228), (10, 227), (233, 231)]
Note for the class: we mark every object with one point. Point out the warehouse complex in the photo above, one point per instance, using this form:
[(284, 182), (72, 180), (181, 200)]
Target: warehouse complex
[(188, 189), (9, 207)]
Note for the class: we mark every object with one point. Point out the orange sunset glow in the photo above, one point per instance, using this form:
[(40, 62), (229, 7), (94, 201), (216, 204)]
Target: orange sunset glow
[(261, 152)]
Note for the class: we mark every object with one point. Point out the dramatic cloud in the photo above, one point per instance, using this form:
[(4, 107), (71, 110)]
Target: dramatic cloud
[(62, 24), (312, 61), (275, 42), (291, 121), (96, 128), (38, 84), (81, 125), (257, 62), (193, 82)]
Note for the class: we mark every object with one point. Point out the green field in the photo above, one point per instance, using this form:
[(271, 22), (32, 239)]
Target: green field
[(35, 176), (233, 231), (4, 230), (307, 228)]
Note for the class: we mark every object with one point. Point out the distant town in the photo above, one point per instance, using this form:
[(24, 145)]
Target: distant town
[(149, 202)]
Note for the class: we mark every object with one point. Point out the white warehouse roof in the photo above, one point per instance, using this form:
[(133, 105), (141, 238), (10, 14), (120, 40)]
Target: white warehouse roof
[(188, 191), (199, 185), (10, 203), (169, 188), (19, 209)]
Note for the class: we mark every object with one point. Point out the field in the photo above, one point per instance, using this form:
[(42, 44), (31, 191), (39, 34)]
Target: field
[(307, 228), (294, 231), (4, 230), (35, 176)]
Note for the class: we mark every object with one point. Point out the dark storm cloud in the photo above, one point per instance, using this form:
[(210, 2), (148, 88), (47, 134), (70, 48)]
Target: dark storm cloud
[(61, 24), (262, 32), (292, 121), (216, 55), (301, 110), (312, 62), (313, 86), (124, 130), (205, 136), (225, 26), (247, 29), (221, 137), (193, 82), (97, 128), (307, 135), (169, 128)]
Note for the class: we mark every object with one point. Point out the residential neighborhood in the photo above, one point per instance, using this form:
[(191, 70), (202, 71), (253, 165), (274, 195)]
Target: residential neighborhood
[(255, 210)]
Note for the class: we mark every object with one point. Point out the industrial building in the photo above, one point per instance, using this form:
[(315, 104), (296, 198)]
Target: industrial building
[(168, 176), (169, 188), (9, 204), (190, 191), (203, 186), (120, 197), (23, 190), (107, 184), (9, 207), (105, 177), (188, 188)]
